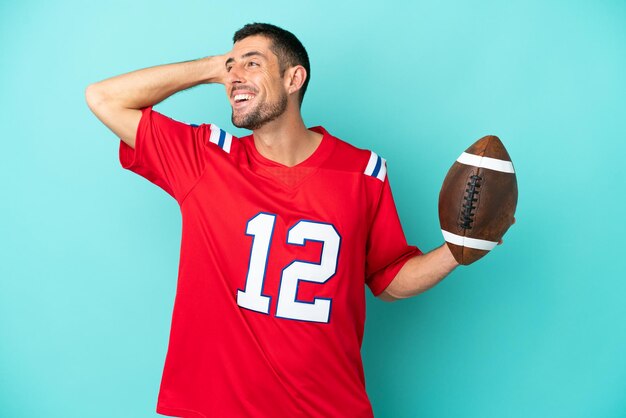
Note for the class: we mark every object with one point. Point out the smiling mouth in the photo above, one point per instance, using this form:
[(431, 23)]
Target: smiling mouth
[(239, 98)]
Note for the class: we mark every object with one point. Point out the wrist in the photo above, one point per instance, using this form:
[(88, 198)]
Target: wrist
[(450, 261), (214, 69)]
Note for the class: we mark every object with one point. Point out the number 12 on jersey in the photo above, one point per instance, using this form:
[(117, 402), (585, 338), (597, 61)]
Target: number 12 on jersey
[(261, 228)]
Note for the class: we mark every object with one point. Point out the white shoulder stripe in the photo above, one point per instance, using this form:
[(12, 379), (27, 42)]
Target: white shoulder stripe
[(486, 162), (228, 141), (462, 241), (371, 163), (215, 134), (221, 138), (376, 167)]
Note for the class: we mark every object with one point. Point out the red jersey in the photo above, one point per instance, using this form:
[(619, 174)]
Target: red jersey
[(270, 305)]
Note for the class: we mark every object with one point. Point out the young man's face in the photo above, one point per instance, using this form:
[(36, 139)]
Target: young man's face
[(255, 88)]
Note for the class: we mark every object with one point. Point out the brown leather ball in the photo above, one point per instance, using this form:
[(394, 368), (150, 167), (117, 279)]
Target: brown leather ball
[(478, 199)]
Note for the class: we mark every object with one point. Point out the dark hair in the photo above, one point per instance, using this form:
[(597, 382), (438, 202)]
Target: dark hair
[(285, 45)]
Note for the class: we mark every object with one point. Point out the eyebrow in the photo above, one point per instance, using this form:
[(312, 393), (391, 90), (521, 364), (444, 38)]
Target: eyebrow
[(246, 55)]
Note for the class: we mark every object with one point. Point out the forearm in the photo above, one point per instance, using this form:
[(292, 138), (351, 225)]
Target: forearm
[(421, 273), (149, 86)]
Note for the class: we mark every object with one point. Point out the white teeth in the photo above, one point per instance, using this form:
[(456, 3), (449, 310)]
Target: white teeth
[(240, 97)]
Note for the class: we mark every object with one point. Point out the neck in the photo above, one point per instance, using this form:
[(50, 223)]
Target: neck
[(286, 140)]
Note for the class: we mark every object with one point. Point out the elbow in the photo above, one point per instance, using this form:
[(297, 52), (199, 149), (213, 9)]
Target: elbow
[(94, 96), (387, 296), (397, 291)]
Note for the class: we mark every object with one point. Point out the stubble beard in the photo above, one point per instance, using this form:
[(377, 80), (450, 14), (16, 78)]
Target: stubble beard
[(262, 114)]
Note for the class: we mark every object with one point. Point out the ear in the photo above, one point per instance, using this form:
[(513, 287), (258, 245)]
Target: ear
[(296, 76)]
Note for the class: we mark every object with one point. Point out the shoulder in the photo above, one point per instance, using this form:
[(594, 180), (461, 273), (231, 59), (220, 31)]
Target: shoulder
[(213, 136), (220, 137), (348, 157)]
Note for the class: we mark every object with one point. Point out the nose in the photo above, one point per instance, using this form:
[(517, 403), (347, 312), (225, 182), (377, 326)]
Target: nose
[(235, 75)]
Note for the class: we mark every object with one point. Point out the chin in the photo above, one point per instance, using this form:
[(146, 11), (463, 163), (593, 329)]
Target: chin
[(246, 121)]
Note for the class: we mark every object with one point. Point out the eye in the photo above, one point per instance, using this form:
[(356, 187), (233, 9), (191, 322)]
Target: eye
[(253, 64)]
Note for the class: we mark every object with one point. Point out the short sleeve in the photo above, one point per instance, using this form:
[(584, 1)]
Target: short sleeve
[(387, 249), (168, 153)]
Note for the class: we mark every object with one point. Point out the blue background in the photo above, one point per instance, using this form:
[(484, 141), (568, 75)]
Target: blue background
[(89, 251)]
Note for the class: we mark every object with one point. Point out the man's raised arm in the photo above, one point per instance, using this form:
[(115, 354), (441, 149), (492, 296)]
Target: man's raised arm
[(117, 101)]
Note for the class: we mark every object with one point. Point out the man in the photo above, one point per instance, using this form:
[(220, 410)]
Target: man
[(281, 231)]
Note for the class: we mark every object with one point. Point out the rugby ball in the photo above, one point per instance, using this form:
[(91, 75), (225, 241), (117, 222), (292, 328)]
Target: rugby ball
[(477, 200)]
